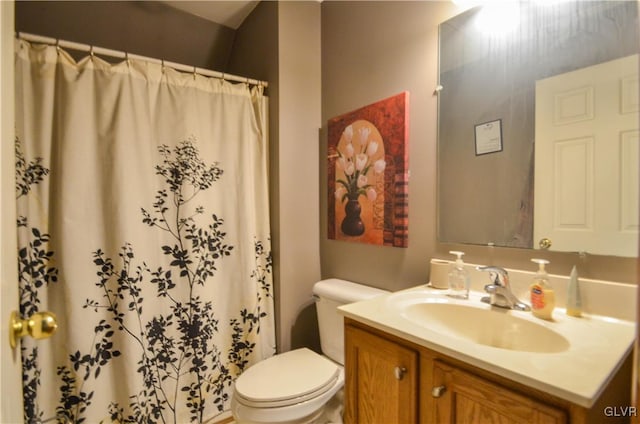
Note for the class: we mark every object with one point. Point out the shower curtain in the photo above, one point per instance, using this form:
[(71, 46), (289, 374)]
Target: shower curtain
[(143, 224)]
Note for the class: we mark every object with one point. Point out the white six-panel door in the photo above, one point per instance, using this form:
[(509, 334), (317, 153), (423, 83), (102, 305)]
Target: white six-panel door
[(586, 159)]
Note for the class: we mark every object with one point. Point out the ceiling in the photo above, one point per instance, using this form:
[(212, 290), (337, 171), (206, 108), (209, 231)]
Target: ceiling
[(228, 13)]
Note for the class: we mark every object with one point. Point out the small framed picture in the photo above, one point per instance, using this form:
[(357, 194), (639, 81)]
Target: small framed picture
[(489, 137)]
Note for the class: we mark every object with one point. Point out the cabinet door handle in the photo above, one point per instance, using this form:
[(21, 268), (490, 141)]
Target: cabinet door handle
[(438, 391), (399, 372)]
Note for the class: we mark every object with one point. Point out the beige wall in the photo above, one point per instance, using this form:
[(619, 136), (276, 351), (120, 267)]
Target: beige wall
[(370, 51), (299, 121), (280, 42)]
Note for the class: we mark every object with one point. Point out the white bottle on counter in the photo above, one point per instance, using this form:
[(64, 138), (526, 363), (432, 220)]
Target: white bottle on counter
[(574, 301), (459, 281)]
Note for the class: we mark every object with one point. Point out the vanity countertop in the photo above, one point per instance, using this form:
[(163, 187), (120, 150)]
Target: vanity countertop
[(598, 345)]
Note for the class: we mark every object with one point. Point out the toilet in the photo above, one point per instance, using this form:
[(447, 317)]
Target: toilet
[(301, 386)]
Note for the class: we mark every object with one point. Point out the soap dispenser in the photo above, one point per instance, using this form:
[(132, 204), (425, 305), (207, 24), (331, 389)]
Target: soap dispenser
[(543, 299), (574, 302), (458, 278)]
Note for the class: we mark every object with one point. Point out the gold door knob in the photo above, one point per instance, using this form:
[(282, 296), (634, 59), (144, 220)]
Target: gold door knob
[(544, 243), (39, 326)]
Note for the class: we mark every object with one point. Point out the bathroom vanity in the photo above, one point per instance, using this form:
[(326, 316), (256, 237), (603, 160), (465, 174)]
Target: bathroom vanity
[(417, 356)]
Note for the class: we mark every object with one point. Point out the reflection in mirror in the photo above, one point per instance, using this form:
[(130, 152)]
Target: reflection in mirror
[(542, 72)]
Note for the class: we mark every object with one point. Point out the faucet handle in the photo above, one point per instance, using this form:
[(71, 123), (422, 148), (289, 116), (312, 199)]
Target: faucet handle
[(499, 276)]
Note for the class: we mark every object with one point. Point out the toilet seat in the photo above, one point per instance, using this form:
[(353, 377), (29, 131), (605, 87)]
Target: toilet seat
[(286, 379)]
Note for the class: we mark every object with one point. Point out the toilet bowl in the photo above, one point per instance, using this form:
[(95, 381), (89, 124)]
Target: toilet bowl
[(291, 387), (301, 386)]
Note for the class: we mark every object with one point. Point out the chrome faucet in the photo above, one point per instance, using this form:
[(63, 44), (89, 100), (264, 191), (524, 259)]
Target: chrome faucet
[(499, 290)]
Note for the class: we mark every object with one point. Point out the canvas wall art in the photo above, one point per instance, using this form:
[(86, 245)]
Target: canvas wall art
[(368, 174)]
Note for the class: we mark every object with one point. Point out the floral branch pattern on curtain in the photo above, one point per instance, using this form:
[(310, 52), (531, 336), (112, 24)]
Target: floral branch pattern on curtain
[(166, 359), (163, 357), (35, 271)]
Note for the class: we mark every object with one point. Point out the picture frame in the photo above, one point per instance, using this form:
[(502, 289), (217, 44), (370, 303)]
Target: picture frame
[(367, 169), (488, 137)]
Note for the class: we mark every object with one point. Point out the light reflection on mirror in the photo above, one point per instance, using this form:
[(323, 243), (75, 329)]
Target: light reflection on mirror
[(498, 19)]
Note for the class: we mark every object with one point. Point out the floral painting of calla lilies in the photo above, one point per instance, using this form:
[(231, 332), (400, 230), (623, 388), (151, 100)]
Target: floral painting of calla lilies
[(368, 174)]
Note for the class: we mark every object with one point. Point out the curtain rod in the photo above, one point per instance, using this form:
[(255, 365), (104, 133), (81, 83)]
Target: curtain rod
[(124, 55)]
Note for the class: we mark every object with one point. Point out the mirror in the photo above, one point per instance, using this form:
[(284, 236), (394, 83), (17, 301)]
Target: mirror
[(511, 83)]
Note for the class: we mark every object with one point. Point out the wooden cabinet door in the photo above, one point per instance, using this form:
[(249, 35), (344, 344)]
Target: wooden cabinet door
[(466, 398), (381, 380)]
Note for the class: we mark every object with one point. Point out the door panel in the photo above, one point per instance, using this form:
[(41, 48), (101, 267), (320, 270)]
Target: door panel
[(470, 399), (381, 380), (586, 159), (10, 367)]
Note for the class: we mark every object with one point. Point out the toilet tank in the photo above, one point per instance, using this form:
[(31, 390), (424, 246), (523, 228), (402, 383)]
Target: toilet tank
[(330, 294)]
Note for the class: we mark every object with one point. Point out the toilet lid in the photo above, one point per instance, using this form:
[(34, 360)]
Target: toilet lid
[(286, 378)]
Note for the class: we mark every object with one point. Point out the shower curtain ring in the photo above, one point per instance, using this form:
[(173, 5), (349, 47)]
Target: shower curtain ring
[(195, 71), (57, 45), (126, 58), (91, 52), (162, 65)]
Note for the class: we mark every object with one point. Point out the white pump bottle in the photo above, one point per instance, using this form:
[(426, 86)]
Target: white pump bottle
[(459, 281)]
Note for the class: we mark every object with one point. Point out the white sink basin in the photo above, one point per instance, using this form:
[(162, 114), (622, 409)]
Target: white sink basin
[(490, 327), (480, 323)]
